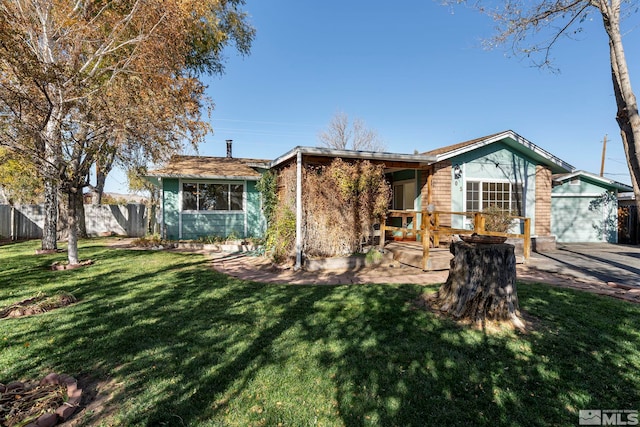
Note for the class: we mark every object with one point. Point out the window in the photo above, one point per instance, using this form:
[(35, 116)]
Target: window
[(404, 195), (212, 197), (504, 195), (473, 196)]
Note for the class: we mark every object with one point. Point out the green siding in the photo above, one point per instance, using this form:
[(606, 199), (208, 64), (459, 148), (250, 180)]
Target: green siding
[(223, 225), (575, 220), (404, 175), (583, 187), (494, 162), (170, 208), (256, 223), (195, 225)]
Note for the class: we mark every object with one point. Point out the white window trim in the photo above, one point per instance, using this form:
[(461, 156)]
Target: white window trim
[(497, 180), (220, 212)]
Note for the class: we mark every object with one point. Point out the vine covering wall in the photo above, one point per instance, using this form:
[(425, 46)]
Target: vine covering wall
[(341, 203)]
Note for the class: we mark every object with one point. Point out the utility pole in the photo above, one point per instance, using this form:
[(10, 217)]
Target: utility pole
[(604, 151)]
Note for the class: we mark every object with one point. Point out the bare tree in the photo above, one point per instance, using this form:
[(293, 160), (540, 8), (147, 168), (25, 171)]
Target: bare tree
[(340, 135), (533, 28)]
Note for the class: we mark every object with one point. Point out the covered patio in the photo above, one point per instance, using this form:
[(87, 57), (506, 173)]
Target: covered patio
[(393, 163)]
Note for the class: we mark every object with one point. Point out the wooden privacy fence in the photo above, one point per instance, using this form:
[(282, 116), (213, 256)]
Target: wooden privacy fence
[(431, 230)]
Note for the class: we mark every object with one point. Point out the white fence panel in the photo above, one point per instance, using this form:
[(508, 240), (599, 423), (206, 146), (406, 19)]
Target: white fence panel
[(26, 221)]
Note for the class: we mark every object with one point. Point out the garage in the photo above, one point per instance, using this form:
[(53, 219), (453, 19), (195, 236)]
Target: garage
[(584, 208)]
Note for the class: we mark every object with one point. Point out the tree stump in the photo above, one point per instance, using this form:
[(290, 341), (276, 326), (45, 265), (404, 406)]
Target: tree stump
[(481, 283)]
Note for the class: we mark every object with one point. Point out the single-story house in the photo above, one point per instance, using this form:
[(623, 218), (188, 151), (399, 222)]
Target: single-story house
[(204, 196), (210, 196), (503, 169)]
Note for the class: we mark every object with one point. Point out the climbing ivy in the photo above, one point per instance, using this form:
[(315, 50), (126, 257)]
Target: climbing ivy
[(268, 188)]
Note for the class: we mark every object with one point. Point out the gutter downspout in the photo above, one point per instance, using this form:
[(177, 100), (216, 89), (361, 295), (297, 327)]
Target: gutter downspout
[(299, 211)]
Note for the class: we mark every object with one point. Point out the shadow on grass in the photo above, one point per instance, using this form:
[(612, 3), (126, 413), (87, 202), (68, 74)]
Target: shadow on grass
[(190, 346)]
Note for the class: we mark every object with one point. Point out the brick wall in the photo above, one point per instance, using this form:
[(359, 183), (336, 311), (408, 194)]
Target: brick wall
[(543, 201)]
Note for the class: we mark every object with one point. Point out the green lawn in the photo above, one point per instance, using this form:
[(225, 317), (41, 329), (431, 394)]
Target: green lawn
[(179, 344)]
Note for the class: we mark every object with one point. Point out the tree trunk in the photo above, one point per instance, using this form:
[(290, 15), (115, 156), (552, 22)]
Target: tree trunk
[(72, 220), (52, 153), (50, 227), (98, 190), (82, 225), (3, 197), (627, 116), (63, 215), (481, 283), (104, 164)]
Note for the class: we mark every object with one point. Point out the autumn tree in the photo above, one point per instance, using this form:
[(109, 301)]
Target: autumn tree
[(80, 81), (19, 182), (533, 28), (341, 134)]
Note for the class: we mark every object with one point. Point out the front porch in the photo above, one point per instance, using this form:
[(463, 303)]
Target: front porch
[(417, 241)]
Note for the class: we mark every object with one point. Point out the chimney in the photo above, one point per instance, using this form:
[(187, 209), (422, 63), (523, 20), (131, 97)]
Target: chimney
[(229, 141)]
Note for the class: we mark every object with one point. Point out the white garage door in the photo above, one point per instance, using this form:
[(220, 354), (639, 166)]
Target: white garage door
[(572, 220)]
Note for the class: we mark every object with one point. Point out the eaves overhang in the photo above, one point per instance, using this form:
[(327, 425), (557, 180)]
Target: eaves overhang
[(514, 140), (418, 159), (559, 179)]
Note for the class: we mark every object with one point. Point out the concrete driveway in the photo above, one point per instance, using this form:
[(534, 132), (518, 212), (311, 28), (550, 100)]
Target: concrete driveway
[(605, 262)]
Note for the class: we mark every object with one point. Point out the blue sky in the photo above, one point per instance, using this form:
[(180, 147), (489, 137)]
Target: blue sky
[(415, 72)]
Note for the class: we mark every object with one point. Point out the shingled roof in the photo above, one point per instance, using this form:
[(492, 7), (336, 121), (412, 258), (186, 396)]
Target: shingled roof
[(510, 138), (210, 168), (459, 145), (562, 177)]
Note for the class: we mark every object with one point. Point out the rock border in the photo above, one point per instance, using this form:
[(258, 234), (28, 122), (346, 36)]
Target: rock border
[(64, 411), (30, 307)]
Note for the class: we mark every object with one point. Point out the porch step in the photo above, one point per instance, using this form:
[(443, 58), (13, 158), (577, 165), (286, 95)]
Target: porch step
[(410, 253)]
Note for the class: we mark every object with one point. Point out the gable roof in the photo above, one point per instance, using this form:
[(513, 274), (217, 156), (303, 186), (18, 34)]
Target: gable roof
[(203, 167), (510, 138), (560, 178), (460, 146)]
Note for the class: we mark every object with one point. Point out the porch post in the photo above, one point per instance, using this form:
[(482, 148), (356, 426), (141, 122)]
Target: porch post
[(299, 212), (426, 237), (527, 239)]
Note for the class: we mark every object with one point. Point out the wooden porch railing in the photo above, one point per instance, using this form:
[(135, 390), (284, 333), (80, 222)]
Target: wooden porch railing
[(431, 235)]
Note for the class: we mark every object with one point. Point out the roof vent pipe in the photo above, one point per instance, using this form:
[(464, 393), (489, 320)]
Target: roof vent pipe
[(229, 141)]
